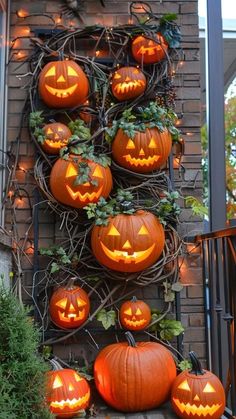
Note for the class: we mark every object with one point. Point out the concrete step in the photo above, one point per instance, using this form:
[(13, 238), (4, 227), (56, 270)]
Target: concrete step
[(163, 412)]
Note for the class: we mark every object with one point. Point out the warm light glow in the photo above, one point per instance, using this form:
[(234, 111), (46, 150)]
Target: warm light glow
[(62, 303), (57, 382), (130, 145), (77, 377), (22, 13), (184, 386), (192, 409), (143, 230), (152, 143), (72, 404), (147, 161), (113, 231), (209, 389), (90, 196), (126, 86), (98, 172), (58, 19), (10, 194), (138, 312), (128, 312), (71, 171), (135, 257), (97, 53)]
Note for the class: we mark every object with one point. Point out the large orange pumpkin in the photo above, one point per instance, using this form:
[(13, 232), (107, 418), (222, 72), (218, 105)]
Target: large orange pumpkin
[(135, 314), (149, 51), (129, 243), (69, 307), (56, 137), (63, 84), (132, 377), (65, 190), (67, 393), (128, 83), (146, 152), (197, 393)]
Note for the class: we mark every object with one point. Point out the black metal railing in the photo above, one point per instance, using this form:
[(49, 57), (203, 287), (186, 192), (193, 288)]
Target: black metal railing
[(219, 276)]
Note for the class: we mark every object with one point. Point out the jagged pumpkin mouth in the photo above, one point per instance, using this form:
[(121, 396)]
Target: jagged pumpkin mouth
[(71, 404), (120, 255), (55, 144), (62, 93), (134, 323), (149, 50), (193, 409), (71, 316), (86, 196), (128, 86), (146, 161)]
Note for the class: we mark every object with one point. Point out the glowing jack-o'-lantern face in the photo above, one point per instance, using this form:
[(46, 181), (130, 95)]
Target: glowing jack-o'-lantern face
[(129, 243), (146, 152), (63, 182), (69, 307), (56, 137), (149, 51), (63, 84), (198, 394), (135, 314), (128, 83), (67, 393)]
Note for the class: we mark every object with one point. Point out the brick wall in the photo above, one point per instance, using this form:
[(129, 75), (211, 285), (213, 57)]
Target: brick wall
[(187, 176)]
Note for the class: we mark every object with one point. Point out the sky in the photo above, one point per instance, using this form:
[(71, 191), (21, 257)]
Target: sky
[(228, 8)]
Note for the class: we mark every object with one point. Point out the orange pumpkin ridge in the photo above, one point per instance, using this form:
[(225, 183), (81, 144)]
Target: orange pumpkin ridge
[(128, 83), (147, 51), (56, 137), (197, 393), (135, 314)]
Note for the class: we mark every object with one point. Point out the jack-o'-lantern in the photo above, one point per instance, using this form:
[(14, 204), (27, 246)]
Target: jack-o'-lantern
[(65, 189), (130, 242), (128, 83), (63, 84), (56, 137), (135, 314), (132, 377), (69, 307), (197, 393), (146, 152), (149, 51), (67, 393)]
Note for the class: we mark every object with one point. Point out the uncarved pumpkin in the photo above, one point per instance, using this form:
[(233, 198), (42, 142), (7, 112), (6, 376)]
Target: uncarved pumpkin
[(132, 377), (197, 393), (129, 243), (69, 307), (135, 314), (56, 137), (149, 51), (146, 152), (128, 83), (63, 84), (64, 189)]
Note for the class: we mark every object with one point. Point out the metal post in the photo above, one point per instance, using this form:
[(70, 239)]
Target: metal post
[(215, 115)]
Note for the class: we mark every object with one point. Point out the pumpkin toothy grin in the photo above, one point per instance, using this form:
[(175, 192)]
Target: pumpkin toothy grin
[(126, 257), (72, 404), (128, 86), (72, 316), (90, 196), (62, 93), (149, 50), (146, 161), (135, 323), (192, 409)]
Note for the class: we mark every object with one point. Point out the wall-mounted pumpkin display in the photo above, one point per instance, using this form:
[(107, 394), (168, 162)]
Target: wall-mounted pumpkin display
[(135, 314), (149, 51), (63, 84), (69, 307), (67, 393), (65, 189), (128, 83), (129, 243), (146, 152), (197, 393), (132, 377), (56, 137)]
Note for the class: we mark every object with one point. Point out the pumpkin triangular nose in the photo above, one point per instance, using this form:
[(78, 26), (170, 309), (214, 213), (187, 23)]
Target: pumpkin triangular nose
[(196, 398), (141, 153), (127, 245), (71, 308), (56, 136), (150, 43), (127, 79), (61, 78)]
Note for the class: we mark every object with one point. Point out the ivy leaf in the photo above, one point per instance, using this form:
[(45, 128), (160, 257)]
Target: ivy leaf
[(170, 329), (54, 268), (177, 287), (197, 207), (107, 318), (169, 296), (184, 365)]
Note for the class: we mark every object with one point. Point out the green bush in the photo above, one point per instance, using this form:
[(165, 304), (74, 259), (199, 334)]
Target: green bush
[(22, 370)]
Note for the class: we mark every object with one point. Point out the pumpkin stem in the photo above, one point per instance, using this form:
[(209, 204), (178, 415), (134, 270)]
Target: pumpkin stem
[(130, 339), (70, 283), (55, 365), (196, 364), (134, 299)]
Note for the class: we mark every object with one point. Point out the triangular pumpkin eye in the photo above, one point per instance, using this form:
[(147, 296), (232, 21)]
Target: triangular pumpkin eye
[(80, 302), (184, 386), (113, 231), (130, 144), (98, 172), (77, 377), (136, 71), (128, 312), (152, 143), (117, 76), (138, 312), (62, 303), (208, 389), (71, 71), (71, 171), (60, 129), (57, 382), (49, 131), (143, 230), (51, 72)]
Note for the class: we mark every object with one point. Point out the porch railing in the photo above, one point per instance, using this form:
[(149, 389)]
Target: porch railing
[(219, 276)]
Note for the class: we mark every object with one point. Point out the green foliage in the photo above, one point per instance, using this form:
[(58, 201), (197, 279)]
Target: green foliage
[(144, 117), (170, 289), (79, 129), (22, 370), (184, 365), (107, 318), (166, 329), (58, 253), (197, 207), (170, 30), (36, 122), (168, 209)]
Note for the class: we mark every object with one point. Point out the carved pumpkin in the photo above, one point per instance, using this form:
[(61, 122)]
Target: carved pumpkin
[(146, 152), (149, 51), (132, 377), (129, 243), (198, 393), (128, 83), (135, 314), (57, 136), (63, 84), (65, 190), (69, 307), (67, 393)]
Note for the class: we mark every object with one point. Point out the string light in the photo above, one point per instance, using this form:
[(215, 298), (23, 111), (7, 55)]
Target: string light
[(22, 13)]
